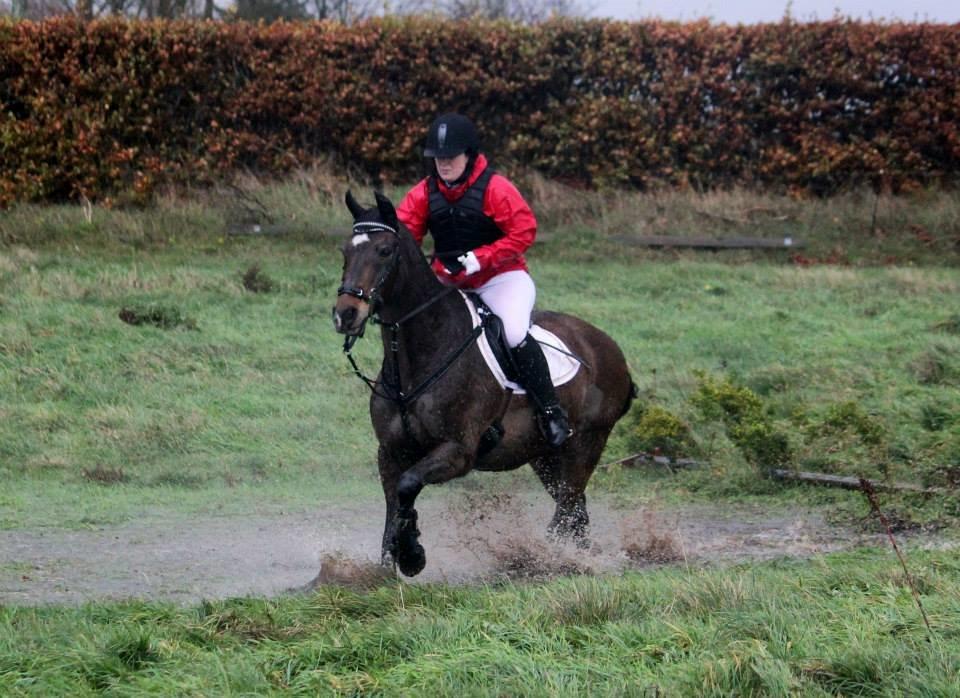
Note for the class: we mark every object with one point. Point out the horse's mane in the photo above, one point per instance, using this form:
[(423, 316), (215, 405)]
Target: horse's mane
[(415, 264), (416, 261)]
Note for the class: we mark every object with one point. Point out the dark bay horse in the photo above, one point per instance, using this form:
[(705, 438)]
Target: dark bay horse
[(435, 399)]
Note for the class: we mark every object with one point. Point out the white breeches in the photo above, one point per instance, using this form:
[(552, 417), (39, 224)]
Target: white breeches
[(510, 296)]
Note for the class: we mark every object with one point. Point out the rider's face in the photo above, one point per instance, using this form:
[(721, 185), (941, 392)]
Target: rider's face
[(450, 169)]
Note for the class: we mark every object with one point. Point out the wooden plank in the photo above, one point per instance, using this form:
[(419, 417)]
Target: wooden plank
[(637, 459), (737, 243), (852, 483)]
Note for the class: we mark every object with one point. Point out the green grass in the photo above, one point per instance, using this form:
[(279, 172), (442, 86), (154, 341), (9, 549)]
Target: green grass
[(838, 625), (241, 401), (226, 401), (249, 400)]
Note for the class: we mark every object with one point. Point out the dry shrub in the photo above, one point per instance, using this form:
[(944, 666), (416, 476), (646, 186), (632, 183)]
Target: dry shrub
[(946, 476), (898, 520), (324, 182), (557, 203), (255, 281), (165, 317), (184, 480)]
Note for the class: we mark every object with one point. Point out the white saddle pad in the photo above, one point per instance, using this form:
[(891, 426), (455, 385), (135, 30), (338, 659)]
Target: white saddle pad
[(563, 367)]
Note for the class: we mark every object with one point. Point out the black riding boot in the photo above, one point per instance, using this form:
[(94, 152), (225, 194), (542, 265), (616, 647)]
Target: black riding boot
[(535, 379)]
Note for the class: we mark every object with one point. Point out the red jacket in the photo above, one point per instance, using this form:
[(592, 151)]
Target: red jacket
[(501, 202)]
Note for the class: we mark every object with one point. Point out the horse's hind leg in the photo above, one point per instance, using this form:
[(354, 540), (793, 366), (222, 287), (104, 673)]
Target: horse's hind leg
[(565, 475), (570, 519)]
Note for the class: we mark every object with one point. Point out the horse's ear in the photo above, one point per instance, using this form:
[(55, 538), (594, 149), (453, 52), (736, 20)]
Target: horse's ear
[(388, 214), (355, 209)]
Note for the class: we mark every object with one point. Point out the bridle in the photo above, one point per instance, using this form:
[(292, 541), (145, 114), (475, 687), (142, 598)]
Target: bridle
[(372, 297), (390, 387)]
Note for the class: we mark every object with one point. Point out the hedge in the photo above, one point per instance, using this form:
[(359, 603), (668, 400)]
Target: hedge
[(118, 107)]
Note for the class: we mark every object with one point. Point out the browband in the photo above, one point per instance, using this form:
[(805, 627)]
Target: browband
[(372, 227)]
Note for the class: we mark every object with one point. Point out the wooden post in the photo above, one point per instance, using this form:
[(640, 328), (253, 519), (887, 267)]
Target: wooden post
[(704, 243), (852, 483)]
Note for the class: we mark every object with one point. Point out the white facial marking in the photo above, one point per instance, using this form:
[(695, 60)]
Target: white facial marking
[(358, 240)]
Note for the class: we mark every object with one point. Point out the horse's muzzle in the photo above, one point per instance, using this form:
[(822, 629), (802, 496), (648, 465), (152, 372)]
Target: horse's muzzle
[(348, 318)]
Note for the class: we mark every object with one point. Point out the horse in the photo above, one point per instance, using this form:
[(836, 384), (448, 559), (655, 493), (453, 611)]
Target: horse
[(435, 404)]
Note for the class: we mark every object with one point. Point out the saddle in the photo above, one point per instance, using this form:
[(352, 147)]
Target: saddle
[(494, 335), (492, 343)]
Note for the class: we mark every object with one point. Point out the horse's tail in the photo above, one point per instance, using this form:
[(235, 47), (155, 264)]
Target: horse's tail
[(631, 396)]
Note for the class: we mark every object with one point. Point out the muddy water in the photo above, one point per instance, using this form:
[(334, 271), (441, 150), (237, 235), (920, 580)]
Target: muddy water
[(469, 537)]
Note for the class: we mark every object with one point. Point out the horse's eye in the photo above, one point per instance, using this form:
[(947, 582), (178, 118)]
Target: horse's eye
[(385, 251)]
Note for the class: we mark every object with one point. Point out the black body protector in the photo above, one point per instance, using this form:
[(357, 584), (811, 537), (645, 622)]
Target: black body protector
[(460, 226)]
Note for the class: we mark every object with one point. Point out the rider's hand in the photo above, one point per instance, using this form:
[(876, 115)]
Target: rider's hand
[(471, 265), (457, 279)]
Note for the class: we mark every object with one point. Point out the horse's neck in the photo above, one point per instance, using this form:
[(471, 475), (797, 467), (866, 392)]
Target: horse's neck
[(434, 331)]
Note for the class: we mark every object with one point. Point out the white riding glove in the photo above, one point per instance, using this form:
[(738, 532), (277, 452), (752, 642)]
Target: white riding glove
[(471, 264)]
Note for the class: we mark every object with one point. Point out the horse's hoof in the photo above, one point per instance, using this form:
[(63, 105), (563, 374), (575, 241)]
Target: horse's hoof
[(412, 560), (563, 534)]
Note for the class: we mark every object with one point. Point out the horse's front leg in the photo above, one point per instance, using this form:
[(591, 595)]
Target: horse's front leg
[(445, 462), (390, 471)]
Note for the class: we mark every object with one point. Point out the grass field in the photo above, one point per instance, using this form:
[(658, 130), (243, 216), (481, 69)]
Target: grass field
[(839, 625), (228, 400), (843, 358)]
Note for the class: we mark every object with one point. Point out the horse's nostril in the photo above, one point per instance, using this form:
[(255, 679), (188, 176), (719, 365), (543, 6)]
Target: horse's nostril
[(347, 317)]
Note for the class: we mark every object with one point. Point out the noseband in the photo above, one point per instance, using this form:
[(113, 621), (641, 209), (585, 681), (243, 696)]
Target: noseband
[(372, 296)]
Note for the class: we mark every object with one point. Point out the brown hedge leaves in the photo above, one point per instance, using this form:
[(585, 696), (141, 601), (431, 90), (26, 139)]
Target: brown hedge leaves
[(115, 108)]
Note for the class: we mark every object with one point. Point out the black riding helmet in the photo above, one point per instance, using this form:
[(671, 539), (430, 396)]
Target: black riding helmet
[(450, 135)]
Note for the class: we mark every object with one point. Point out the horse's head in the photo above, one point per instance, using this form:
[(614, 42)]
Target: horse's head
[(369, 260)]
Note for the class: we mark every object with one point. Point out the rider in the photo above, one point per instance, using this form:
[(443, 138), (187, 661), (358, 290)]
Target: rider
[(481, 226)]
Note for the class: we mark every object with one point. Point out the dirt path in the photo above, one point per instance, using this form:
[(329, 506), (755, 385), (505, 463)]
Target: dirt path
[(184, 560)]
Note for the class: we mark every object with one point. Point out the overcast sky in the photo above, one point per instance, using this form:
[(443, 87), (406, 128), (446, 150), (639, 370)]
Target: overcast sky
[(751, 11)]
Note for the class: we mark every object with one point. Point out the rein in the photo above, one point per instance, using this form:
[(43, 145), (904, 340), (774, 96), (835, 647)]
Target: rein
[(372, 298), (401, 399)]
